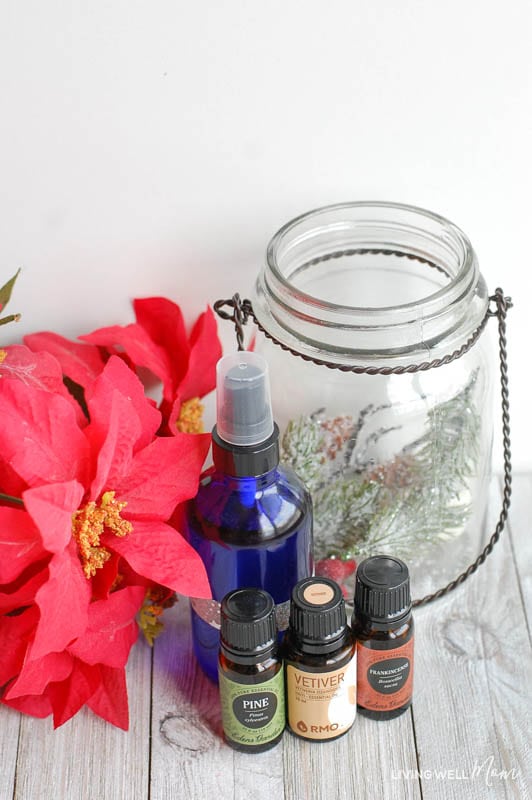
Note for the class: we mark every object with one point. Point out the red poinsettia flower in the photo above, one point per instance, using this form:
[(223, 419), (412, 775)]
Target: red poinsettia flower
[(96, 504), (90, 670), (158, 342)]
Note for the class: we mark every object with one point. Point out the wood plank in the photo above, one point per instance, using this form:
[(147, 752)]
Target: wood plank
[(365, 763), (260, 775), (472, 673), (9, 733), (188, 753), (88, 757), (521, 538)]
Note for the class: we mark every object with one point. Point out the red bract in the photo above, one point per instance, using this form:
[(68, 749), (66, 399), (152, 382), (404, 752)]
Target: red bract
[(158, 342), (82, 363), (92, 536), (90, 670), (37, 369)]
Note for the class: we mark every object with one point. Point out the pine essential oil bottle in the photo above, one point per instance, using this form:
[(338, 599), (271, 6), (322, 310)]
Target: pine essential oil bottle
[(384, 629), (251, 521), (250, 672), (320, 662)]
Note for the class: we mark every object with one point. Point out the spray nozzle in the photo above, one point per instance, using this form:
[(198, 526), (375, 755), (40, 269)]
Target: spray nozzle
[(243, 404)]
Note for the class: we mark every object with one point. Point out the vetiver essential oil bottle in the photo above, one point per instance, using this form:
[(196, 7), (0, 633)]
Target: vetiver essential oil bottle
[(250, 672), (251, 521), (320, 662), (384, 629)]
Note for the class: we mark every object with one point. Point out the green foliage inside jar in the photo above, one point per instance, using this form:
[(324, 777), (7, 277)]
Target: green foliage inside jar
[(420, 496)]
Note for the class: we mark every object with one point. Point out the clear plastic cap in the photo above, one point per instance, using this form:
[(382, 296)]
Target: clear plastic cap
[(243, 404)]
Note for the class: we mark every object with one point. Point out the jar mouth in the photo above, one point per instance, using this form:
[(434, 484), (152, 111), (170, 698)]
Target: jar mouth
[(351, 217), (375, 268)]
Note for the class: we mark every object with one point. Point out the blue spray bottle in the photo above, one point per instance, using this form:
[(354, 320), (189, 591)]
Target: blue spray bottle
[(251, 521)]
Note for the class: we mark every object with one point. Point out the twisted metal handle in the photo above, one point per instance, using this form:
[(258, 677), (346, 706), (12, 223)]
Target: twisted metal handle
[(242, 311)]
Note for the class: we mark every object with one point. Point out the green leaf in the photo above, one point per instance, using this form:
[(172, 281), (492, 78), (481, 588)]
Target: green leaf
[(302, 449), (7, 288), (404, 505)]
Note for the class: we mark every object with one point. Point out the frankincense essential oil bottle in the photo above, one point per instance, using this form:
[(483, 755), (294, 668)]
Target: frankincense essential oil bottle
[(384, 629)]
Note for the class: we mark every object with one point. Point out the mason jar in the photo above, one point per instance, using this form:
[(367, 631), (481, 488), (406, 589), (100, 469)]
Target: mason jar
[(381, 382)]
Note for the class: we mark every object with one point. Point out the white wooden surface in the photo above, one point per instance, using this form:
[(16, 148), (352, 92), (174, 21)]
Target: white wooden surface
[(470, 720)]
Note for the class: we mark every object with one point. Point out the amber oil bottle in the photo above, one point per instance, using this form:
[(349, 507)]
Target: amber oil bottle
[(320, 662), (250, 672), (384, 629)]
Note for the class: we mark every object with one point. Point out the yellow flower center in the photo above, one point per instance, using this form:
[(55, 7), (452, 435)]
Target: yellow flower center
[(191, 416), (156, 600), (3, 356), (88, 525)]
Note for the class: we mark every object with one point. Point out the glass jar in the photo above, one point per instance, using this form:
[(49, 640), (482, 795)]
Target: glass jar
[(396, 462)]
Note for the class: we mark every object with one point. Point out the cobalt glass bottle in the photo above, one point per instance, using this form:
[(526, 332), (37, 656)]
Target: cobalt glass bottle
[(251, 521)]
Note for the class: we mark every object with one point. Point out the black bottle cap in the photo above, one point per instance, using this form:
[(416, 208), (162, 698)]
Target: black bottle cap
[(382, 589), (317, 614), (245, 461), (248, 625)]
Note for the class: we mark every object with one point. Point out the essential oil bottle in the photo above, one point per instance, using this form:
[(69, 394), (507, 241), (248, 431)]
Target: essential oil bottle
[(251, 521), (320, 662), (250, 672), (384, 629)]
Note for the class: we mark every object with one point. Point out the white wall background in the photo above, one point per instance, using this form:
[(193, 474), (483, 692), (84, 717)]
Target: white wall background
[(154, 146)]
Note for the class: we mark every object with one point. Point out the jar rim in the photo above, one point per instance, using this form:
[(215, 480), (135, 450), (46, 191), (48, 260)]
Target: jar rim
[(442, 296), (428, 326)]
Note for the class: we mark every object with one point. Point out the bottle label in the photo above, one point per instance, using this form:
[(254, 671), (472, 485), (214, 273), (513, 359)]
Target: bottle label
[(252, 714), (321, 705), (385, 677)]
